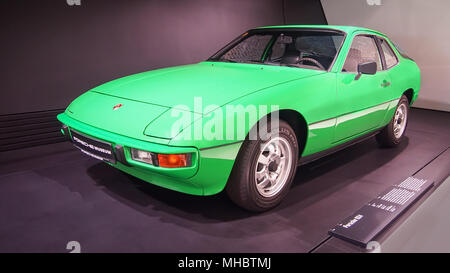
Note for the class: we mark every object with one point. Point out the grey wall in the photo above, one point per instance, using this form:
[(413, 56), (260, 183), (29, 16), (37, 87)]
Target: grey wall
[(52, 52), (419, 26)]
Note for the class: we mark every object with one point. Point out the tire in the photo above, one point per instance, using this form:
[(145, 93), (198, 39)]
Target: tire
[(248, 173), (389, 136)]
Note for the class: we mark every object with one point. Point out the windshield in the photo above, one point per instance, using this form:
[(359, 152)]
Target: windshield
[(312, 49)]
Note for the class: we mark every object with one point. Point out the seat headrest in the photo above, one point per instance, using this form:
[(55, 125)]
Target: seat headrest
[(291, 55)]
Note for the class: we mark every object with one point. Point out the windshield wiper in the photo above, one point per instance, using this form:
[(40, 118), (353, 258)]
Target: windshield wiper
[(235, 61), (252, 62)]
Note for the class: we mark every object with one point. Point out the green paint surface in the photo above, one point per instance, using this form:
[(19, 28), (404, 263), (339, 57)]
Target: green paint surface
[(335, 106)]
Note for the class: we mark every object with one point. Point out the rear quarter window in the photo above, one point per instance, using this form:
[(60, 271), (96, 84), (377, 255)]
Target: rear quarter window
[(400, 50), (389, 55)]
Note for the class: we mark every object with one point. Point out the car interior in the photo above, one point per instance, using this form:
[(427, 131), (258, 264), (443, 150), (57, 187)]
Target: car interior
[(311, 51)]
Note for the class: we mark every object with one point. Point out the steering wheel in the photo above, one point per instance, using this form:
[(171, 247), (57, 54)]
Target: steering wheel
[(311, 60)]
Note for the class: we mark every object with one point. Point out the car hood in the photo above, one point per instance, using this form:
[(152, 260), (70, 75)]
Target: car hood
[(216, 83), (146, 98), (117, 115)]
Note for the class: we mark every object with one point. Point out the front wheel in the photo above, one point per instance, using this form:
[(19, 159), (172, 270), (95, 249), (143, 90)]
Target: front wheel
[(394, 132), (264, 170)]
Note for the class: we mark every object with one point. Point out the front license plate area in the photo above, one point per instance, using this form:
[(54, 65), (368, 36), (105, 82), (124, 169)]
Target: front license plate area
[(93, 147)]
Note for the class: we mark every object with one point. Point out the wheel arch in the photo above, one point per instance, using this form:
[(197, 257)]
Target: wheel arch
[(297, 122), (409, 94)]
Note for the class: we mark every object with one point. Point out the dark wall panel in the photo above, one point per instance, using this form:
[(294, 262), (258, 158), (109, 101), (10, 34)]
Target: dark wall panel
[(52, 52), (306, 12)]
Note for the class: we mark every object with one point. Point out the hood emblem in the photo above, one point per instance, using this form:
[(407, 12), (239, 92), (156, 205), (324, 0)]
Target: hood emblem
[(117, 106)]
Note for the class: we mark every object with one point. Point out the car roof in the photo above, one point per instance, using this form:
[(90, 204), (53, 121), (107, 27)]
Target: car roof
[(347, 29)]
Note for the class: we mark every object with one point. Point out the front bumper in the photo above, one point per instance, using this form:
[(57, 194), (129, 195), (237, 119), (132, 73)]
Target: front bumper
[(210, 179)]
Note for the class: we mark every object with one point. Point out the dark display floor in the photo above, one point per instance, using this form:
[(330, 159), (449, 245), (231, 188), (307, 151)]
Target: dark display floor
[(53, 194)]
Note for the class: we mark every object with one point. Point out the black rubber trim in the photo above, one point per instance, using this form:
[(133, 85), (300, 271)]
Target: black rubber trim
[(120, 154), (310, 158), (65, 129), (381, 52)]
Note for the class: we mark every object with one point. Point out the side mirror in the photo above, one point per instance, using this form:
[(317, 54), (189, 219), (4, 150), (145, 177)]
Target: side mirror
[(369, 68)]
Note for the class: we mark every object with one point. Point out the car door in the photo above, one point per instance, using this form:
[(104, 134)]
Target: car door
[(361, 100), (390, 64)]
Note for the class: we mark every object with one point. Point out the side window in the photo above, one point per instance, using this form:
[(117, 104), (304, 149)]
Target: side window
[(362, 50), (389, 55)]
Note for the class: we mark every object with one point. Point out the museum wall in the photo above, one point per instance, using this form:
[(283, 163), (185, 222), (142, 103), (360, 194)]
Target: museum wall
[(306, 12), (53, 52), (419, 27)]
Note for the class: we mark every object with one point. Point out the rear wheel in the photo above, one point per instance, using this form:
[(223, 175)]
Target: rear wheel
[(394, 132), (264, 169)]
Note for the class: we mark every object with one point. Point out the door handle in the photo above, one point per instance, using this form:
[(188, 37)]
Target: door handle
[(385, 84)]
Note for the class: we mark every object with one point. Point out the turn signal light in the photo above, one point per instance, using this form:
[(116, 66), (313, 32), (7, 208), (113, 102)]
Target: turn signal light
[(162, 160), (174, 160)]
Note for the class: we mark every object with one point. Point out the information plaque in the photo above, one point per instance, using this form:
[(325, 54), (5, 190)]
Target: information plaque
[(362, 227)]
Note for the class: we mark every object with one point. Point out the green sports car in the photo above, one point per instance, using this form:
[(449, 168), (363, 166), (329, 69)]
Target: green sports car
[(274, 98)]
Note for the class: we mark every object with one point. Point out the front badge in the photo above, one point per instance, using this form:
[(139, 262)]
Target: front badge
[(117, 106)]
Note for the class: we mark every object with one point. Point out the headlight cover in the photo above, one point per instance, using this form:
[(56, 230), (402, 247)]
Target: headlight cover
[(143, 156)]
